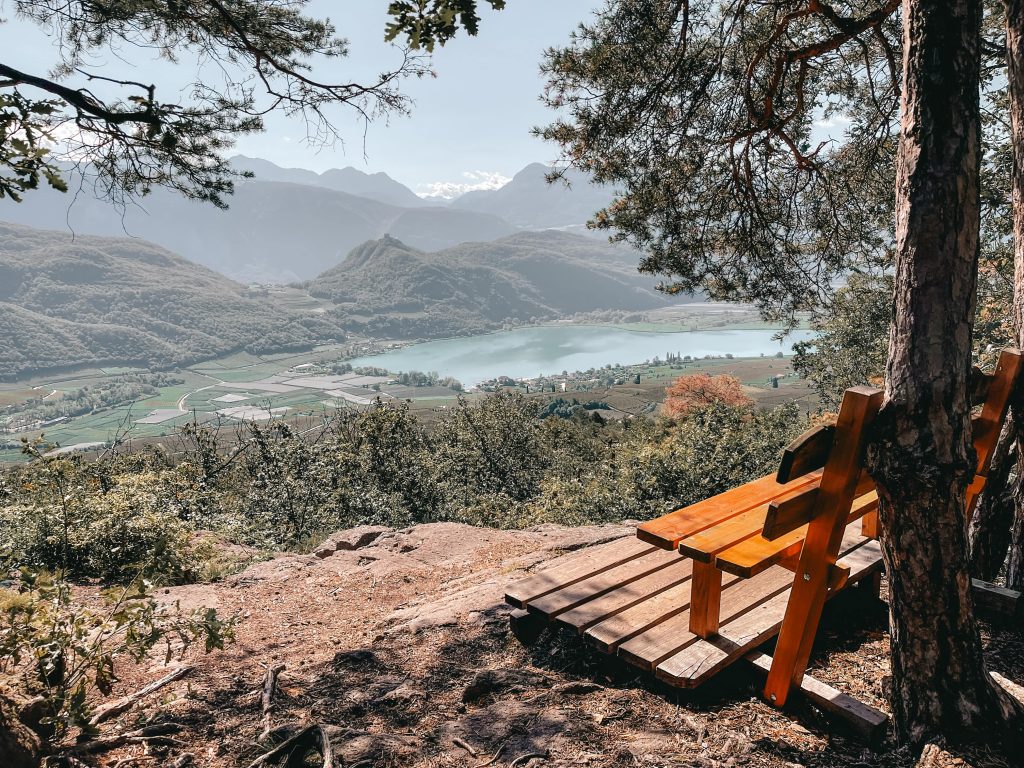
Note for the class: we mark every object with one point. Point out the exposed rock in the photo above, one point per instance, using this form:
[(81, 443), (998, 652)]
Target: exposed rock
[(20, 746), (351, 539)]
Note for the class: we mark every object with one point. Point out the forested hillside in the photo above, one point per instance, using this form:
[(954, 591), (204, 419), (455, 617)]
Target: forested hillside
[(68, 302), (393, 289)]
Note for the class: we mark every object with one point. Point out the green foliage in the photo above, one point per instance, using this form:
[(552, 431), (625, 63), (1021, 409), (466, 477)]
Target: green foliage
[(425, 23), (53, 647), (24, 158), (494, 461), (138, 136), (88, 522), (852, 341)]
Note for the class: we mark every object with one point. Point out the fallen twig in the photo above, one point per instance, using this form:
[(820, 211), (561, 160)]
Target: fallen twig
[(493, 760), (269, 686), (159, 733), (118, 707), (460, 743)]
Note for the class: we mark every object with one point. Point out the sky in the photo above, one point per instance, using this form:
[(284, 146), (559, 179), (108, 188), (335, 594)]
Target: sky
[(469, 127)]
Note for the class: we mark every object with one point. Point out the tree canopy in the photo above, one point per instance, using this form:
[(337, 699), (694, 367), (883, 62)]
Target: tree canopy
[(244, 59)]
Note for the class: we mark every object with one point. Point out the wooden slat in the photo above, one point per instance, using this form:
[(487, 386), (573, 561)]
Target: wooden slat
[(795, 509), (613, 632), (993, 412), (806, 453), (869, 723), (575, 567), (757, 553), (698, 661), (705, 545), (627, 595), (667, 530), (824, 538), (572, 595), (668, 638)]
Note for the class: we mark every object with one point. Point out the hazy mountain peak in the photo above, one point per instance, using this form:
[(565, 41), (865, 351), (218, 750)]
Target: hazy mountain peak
[(375, 186)]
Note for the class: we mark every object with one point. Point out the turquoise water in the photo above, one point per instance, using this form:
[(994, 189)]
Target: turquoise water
[(548, 350)]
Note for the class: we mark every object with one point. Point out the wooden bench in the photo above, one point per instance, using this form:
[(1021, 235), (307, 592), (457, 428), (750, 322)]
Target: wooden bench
[(758, 560)]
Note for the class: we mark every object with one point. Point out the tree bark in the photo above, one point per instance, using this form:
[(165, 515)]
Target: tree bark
[(921, 454), (1015, 563), (1014, 10), (993, 519)]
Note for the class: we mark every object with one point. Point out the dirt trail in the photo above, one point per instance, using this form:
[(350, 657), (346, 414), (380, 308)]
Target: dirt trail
[(397, 642)]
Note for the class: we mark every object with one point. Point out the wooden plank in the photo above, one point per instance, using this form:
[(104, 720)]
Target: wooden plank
[(647, 649), (1003, 602), (757, 553), (575, 567), (572, 595), (696, 662), (824, 538), (703, 546), (792, 510), (705, 599), (614, 631), (627, 595), (997, 402), (666, 531), (806, 453), (869, 723)]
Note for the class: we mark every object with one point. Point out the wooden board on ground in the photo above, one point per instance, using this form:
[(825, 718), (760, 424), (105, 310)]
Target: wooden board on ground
[(870, 723)]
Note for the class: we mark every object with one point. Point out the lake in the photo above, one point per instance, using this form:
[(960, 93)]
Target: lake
[(547, 350)]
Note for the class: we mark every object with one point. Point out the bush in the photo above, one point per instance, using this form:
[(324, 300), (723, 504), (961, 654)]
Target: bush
[(72, 524), (65, 653)]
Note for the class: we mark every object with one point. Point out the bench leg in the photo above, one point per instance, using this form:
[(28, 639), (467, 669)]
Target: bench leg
[(869, 525), (705, 599), (872, 585), (526, 626)]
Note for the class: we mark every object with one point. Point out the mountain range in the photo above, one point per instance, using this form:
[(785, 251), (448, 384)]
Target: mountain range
[(90, 301), (69, 302), (289, 225), (386, 287)]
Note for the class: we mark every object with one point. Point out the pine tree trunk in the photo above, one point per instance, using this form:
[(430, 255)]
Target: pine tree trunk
[(921, 453), (993, 519), (1015, 563), (1014, 10)]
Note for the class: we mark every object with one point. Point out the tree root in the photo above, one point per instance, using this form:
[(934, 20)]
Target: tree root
[(293, 752), (118, 707), (269, 686)]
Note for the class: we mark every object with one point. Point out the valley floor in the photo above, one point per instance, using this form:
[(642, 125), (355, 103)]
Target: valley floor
[(397, 641)]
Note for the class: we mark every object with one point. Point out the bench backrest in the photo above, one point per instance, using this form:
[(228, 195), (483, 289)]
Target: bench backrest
[(813, 449)]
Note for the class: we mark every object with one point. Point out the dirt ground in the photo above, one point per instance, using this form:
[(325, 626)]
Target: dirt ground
[(398, 643)]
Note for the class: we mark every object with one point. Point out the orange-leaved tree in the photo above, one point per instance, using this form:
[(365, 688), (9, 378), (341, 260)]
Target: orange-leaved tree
[(699, 390)]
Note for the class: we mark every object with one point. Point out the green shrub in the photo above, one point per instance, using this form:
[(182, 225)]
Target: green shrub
[(65, 653)]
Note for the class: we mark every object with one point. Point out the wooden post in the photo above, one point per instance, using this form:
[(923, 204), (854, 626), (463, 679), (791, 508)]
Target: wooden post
[(869, 525), (705, 598), (821, 545), (990, 421)]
